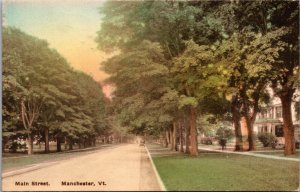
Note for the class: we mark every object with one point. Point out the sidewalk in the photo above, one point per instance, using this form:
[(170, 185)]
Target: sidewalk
[(250, 154)]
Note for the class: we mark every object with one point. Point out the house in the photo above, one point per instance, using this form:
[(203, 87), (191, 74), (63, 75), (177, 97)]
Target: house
[(270, 120)]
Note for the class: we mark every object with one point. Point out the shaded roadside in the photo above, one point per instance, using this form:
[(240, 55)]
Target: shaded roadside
[(22, 155), (157, 151)]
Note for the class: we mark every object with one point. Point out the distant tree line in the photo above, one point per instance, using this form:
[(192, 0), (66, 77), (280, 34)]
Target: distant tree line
[(44, 98), (179, 60)]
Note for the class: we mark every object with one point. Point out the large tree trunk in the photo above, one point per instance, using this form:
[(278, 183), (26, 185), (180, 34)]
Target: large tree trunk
[(180, 136), (187, 135), (83, 143), (94, 141), (250, 123), (244, 132), (174, 136), (236, 123), (238, 135), (247, 130), (90, 141), (66, 143), (166, 139), (30, 143), (193, 132), (58, 143), (161, 140), (250, 134), (251, 117), (29, 112), (171, 138), (70, 144), (246, 127), (47, 147), (288, 128)]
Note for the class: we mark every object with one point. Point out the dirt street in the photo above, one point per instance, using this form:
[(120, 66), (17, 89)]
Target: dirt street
[(125, 168)]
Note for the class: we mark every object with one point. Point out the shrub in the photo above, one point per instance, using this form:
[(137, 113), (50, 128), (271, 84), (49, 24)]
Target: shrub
[(13, 147), (223, 135), (267, 139)]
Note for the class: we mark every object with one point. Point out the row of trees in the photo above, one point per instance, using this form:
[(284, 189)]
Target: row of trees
[(180, 60), (44, 98)]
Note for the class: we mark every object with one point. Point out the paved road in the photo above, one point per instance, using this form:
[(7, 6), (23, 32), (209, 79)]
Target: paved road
[(125, 168)]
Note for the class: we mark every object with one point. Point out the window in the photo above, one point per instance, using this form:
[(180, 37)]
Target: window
[(270, 113), (297, 131), (278, 112), (265, 129), (279, 131), (258, 129), (263, 114)]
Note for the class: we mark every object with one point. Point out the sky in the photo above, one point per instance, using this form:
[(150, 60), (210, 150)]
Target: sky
[(69, 26)]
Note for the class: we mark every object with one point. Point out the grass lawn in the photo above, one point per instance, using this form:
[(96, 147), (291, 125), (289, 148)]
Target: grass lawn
[(14, 163), (227, 172), (279, 154)]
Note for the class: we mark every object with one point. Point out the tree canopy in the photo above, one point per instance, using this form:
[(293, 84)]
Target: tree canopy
[(42, 92), (197, 58)]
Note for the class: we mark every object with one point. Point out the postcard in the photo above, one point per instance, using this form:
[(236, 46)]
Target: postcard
[(104, 95)]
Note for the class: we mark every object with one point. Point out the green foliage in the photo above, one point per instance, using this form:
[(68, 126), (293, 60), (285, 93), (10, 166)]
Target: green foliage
[(185, 57), (267, 139), (187, 101), (209, 124), (72, 103), (224, 134), (139, 74)]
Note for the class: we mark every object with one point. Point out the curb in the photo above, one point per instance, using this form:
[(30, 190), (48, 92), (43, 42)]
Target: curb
[(161, 184)]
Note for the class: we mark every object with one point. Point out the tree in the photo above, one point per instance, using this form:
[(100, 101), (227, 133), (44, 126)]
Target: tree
[(12, 91), (177, 23), (189, 71), (210, 50), (139, 77), (45, 92), (223, 135), (246, 85), (245, 26), (274, 52), (31, 98)]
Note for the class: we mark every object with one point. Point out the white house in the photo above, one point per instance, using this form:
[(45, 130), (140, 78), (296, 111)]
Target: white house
[(270, 119)]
